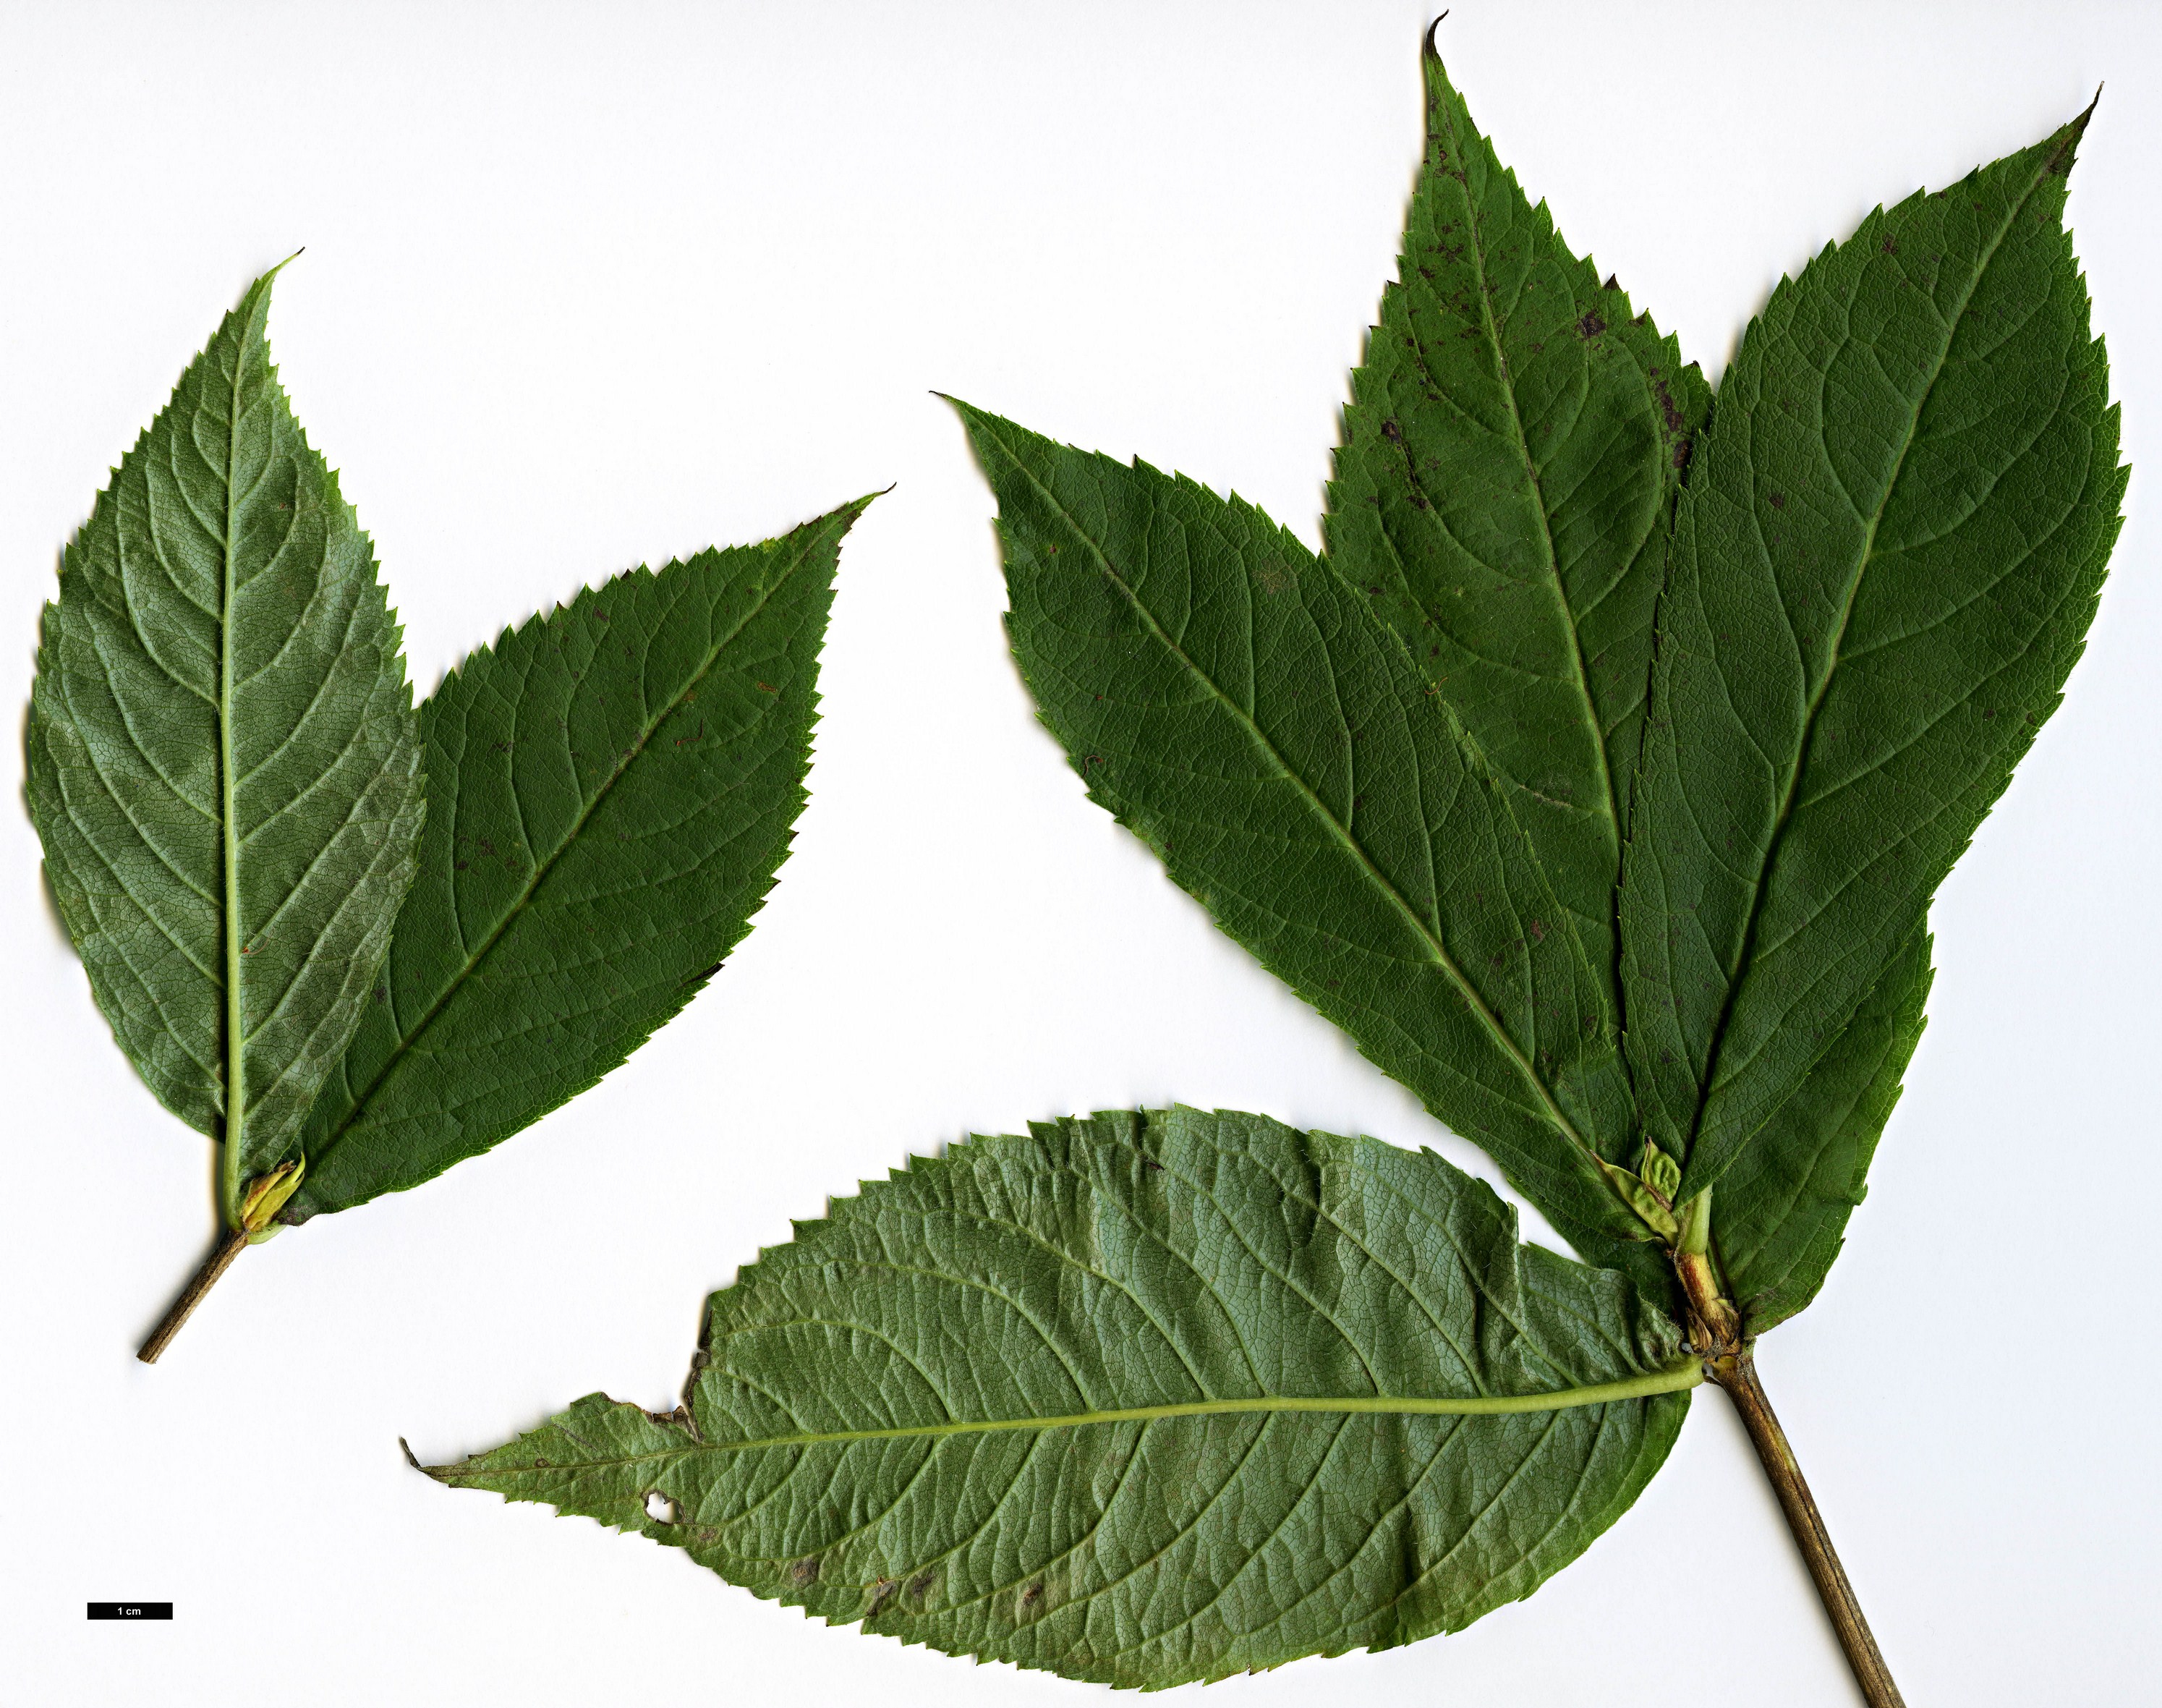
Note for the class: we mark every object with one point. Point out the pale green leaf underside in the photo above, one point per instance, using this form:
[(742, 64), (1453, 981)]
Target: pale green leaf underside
[(222, 758), (1142, 1399), (1885, 562), (1245, 710), (615, 784)]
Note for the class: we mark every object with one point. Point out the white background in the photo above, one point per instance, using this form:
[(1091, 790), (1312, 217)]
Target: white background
[(587, 286)]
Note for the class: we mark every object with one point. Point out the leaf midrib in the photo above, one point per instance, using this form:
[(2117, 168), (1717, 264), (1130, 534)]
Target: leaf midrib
[(1436, 949), (1674, 1378), (236, 1037), (542, 868), (1738, 976)]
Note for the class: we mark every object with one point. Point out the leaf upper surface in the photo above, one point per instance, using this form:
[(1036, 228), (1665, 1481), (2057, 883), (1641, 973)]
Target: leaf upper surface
[(1885, 562), (1136, 1398), (1247, 714), (1504, 493), (1784, 1205), (616, 784), (222, 761)]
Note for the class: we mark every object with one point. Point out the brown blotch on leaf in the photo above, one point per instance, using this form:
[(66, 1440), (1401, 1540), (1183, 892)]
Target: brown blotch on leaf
[(1590, 326)]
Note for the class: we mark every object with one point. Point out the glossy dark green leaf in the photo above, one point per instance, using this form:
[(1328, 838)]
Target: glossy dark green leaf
[(1141, 1398), (222, 758), (1251, 718), (1505, 494), (1885, 563), (614, 784)]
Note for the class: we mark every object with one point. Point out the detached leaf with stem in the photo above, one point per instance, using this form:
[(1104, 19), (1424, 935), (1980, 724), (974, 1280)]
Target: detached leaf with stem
[(226, 769)]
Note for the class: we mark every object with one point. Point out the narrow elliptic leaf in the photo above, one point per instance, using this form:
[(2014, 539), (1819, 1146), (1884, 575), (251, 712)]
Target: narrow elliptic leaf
[(1784, 1205), (1141, 1399), (1247, 714), (1885, 562), (615, 784), (222, 761), (1504, 493)]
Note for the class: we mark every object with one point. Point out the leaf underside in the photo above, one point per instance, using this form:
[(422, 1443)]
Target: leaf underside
[(1199, 1270), (615, 785), (223, 766)]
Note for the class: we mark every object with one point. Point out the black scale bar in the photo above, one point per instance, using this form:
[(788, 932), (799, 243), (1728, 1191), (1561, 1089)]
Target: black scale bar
[(130, 1610)]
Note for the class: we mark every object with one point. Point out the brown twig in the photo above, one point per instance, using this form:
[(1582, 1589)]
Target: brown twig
[(1715, 1333), (205, 1278), (1738, 1375)]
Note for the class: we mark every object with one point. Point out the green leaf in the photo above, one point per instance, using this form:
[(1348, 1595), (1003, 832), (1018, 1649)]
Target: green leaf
[(1505, 493), (1141, 1399), (1784, 1205), (1885, 563), (222, 761), (1248, 714), (615, 785)]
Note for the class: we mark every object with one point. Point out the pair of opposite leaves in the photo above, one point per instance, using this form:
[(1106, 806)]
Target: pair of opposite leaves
[(1601, 806), (357, 943)]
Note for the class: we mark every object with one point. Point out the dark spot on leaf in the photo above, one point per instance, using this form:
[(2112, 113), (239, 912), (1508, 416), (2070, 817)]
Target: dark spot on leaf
[(1669, 411), (1611, 284), (1590, 326), (1778, 501), (766, 687), (1890, 247), (1393, 433), (802, 1572)]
